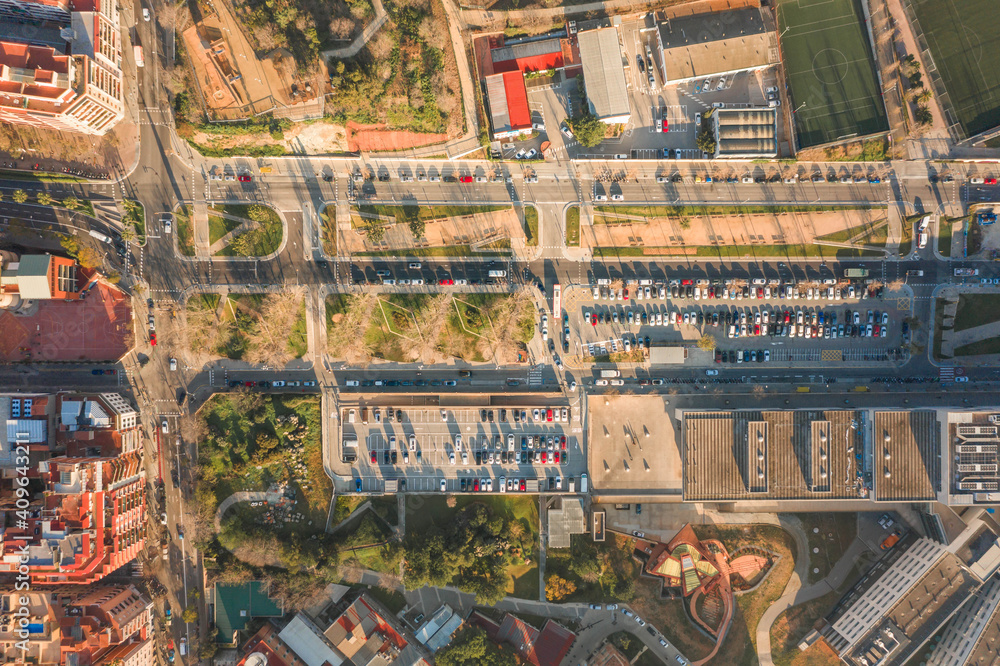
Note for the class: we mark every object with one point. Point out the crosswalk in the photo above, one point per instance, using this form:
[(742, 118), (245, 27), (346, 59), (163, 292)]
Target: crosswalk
[(535, 376), (947, 373)]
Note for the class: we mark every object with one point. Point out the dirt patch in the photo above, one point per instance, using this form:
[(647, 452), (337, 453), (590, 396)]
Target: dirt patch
[(313, 138), (376, 138)]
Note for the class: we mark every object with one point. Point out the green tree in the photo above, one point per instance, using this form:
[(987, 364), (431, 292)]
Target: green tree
[(128, 233), (114, 277), (70, 244), (71, 202), (20, 196), (44, 198), (706, 141), (374, 231), (923, 115), (88, 257), (589, 130), (471, 647), (417, 228), (190, 614), (258, 213)]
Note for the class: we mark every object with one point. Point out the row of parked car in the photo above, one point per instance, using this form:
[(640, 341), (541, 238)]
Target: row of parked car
[(760, 289)]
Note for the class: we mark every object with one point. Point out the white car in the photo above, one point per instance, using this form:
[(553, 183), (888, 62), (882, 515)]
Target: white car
[(451, 458), (531, 154), (566, 131), (535, 415), (444, 416), (520, 155), (444, 486), (173, 368), (145, 14), (711, 373), (164, 428), (413, 443)]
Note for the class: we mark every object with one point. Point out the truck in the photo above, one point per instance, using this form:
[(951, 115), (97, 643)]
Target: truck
[(583, 483), (610, 373), (99, 236), (966, 272), (855, 272), (139, 62), (350, 449), (916, 273)]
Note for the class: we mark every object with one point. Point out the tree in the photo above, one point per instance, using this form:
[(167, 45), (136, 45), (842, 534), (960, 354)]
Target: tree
[(258, 213), (114, 277), (924, 95), (706, 342), (558, 588), (471, 647), (88, 257), (71, 202), (374, 231), (417, 228), (589, 130), (44, 198), (128, 233), (705, 141), (190, 614), (20, 196), (923, 115)]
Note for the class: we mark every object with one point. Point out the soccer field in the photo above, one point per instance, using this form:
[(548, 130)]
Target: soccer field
[(963, 37), (830, 69)]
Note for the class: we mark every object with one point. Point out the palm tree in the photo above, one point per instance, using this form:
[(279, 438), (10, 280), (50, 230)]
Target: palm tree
[(128, 233)]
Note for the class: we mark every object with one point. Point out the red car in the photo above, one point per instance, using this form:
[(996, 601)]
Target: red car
[(245, 178), (522, 485), (666, 127), (562, 442), (545, 457), (548, 415), (374, 458), (152, 339), (250, 384), (446, 281), (756, 329), (990, 181), (465, 179), (475, 485), (625, 294), (555, 457), (593, 321)]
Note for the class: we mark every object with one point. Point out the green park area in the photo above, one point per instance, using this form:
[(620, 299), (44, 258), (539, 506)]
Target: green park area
[(406, 327), (256, 230), (591, 571), (485, 545), (259, 328)]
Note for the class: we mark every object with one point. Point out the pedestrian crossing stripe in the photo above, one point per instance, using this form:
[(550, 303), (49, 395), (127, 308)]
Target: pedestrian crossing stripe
[(947, 373)]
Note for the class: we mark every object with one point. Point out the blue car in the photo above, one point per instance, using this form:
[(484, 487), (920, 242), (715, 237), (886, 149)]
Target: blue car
[(357, 485)]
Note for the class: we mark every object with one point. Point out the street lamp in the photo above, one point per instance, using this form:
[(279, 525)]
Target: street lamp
[(798, 107)]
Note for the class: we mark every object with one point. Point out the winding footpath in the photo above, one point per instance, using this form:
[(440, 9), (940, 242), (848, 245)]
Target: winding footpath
[(795, 593)]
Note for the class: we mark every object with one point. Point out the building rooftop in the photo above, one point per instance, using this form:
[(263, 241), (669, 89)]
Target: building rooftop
[(237, 604), (975, 627), (746, 132), (708, 44), (906, 453), (746, 455), (604, 73), (508, 102), (566, 520)]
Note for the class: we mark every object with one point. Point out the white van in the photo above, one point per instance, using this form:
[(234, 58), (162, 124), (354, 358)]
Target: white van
[(352, 382)]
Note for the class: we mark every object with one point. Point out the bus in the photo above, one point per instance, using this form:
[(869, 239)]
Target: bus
[(556, 302)]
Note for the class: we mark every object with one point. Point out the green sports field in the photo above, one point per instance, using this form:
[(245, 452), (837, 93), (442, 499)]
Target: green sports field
[(963, 37), (830, 69)]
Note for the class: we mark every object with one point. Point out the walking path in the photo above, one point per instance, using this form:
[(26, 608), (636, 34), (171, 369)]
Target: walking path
[(795, 593), (258, 496), (369, 31)]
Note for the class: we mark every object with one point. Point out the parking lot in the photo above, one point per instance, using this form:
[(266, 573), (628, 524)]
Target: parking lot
[(472, 449), (765, 323)]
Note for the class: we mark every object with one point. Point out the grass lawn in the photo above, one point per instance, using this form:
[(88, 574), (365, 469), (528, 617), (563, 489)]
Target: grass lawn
[(260, 241), (830, 69), (945, 231), (531, 225), (573, 226), (407, 214), (792, 625), (987, 346), (247, 448), (185, 231), (391, 599), (648, 658), (938, 323), (329, 231), (298, 339), (135, 215), (449, 251), (961, 37), (220, 226), (628, 643), (424, 512), (836, 532), (976, 310), (875, 233), (345, 506)]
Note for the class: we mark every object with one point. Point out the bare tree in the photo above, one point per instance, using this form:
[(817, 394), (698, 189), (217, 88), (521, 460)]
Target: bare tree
[(759, 391), (274, 321), (896, 285)]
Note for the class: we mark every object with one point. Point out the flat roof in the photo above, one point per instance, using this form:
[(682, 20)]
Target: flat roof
[(604, 73), (906, 456), (748, 455), (707, 44), (237, 604), (747, 132), (565, 521)]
